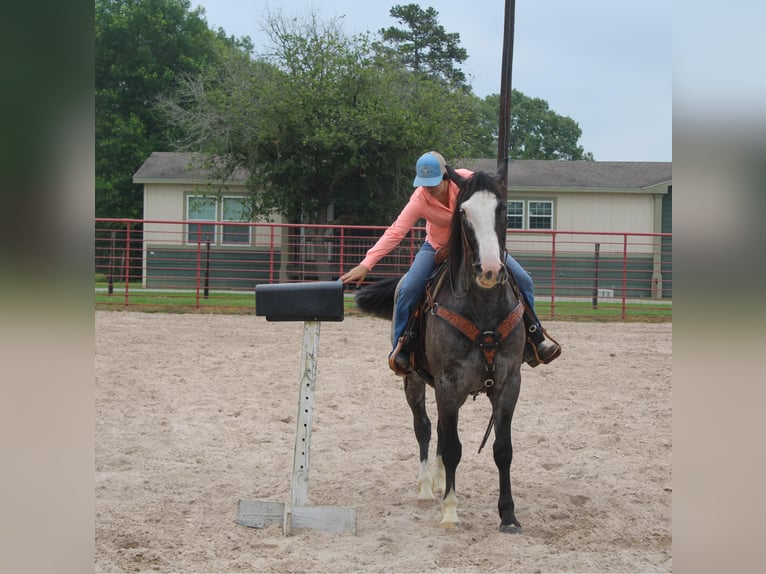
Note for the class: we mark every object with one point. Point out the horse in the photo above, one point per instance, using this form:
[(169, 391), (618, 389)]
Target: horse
[(472, 341)]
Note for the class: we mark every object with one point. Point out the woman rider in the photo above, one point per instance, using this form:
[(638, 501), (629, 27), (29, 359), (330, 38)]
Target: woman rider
[(434, 200)]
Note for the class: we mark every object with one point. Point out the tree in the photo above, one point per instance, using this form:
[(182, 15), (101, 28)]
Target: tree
[(319, 122), (142, 47), (424, 47), (537, 132), (327, 129)]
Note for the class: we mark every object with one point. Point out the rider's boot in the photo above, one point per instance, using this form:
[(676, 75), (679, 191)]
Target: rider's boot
[(400, 361), (401, 358), (538, 349)]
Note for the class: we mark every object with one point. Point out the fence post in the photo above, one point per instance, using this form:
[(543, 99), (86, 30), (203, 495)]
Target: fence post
[(624, 273), (553, 275), (127, 262), (112, 249), (595, 276), (199, 263), (271, 254), (207, 272)]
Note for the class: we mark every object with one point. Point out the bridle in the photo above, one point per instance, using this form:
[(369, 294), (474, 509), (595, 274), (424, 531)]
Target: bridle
[(487, 341), (470, 255)]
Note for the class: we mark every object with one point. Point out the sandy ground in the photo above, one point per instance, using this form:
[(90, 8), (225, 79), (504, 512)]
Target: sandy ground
[(194, 412)]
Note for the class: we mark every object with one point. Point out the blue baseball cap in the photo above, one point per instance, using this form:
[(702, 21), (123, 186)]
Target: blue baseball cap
[(429, 169)]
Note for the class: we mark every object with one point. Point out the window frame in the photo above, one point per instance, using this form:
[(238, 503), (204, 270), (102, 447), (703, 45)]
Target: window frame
[(192, 228), (217, 235), (508, 216), (246, 242), (530, 215), (527, 215)]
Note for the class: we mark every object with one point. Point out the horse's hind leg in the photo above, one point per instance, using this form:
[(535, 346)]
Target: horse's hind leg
[(415, 391)]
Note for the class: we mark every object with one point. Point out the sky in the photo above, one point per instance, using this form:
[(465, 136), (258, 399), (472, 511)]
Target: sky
[(607, 64)]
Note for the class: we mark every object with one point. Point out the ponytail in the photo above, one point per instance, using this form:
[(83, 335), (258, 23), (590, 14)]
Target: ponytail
[(452, 175)]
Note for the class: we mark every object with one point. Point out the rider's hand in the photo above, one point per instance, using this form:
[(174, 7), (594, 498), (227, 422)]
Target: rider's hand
[(357, 274)]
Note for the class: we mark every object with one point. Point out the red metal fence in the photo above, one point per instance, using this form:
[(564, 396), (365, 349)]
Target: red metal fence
[(214, 266)]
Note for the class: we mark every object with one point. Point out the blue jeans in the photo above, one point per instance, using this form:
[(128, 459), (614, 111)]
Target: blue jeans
[(413, 286)]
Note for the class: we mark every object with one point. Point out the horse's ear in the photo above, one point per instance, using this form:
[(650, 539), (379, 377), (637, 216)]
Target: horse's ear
[(454, 176)]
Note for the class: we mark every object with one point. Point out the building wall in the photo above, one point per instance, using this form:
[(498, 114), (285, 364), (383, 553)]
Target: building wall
[(583, 212), (167, 202), (166, 253), (163, 202), (606, 212)]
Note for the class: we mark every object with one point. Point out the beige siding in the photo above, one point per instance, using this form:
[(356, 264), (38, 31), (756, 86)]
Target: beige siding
[(598, 212), (163, 202), (167, 202), (606, 212)]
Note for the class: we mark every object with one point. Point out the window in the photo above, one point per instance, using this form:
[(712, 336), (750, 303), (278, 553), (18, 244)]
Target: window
[(515, 211), (200, 208), (540, 215), (234, 210)]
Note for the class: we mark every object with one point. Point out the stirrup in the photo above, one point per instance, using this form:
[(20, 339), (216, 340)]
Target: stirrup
[(535, 359), (392, 364)]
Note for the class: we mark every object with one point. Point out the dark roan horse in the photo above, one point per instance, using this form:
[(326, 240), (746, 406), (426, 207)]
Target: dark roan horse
[(472, 341)]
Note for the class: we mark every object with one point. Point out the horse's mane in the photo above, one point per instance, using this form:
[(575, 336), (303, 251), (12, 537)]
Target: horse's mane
[(479, 181)]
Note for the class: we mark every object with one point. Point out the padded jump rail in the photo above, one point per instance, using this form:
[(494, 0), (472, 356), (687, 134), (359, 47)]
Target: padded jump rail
[(314, 301)]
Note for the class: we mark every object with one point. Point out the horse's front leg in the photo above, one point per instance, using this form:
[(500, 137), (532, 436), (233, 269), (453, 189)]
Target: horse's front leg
[(502, 411), (452, 452), (415, 391)]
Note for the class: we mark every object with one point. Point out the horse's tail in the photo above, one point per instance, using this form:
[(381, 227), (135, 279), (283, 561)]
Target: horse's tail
[(378, 298)]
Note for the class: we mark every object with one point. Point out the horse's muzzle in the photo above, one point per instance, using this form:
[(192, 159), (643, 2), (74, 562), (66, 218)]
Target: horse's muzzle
[(487, 279)]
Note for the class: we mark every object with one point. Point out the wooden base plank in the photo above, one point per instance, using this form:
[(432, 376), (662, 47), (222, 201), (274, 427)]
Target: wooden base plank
[(262, 513)]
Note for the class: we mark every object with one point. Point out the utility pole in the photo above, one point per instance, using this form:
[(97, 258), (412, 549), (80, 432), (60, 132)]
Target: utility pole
[(504, 125)]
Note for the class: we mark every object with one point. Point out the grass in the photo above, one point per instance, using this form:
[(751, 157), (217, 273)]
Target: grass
[(606, 311), (181, 301), (243, 302)]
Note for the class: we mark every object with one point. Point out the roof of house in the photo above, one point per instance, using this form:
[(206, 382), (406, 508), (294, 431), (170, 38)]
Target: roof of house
[(177, 166), (528, 173), (522, 173)]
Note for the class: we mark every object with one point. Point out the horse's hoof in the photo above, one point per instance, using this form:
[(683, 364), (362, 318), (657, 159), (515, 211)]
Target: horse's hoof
[(510, 528), (449, 525), (425, 502)]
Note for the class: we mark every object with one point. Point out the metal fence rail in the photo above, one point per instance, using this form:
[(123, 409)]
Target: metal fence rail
[(214, 266)]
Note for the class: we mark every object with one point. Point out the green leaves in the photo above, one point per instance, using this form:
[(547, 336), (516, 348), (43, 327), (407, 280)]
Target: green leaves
[(423, 46), (537, 132), (326, 124), (143, 48)]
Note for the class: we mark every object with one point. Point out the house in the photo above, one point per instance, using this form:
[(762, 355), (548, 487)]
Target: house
[(178, 188), (583, 198), (591, 196)]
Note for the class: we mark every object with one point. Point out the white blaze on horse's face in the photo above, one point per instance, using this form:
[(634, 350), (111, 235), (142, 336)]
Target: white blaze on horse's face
[(479, 212)]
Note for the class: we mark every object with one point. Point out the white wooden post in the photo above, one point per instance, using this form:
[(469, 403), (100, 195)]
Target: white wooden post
[(297, 514), (301, 456)]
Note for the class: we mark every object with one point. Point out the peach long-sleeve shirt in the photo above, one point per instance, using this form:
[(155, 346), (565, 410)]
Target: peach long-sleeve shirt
[(422, 205)]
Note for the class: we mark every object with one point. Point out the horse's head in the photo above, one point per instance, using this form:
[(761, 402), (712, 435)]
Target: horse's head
[(477, 240)]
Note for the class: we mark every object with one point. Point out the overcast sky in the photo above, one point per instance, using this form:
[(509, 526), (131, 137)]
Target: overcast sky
[(607, 64)]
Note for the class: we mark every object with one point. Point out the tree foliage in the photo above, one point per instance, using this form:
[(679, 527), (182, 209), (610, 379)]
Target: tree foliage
[(320, 122), (537, 132), (424, 46), (142, 47)]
